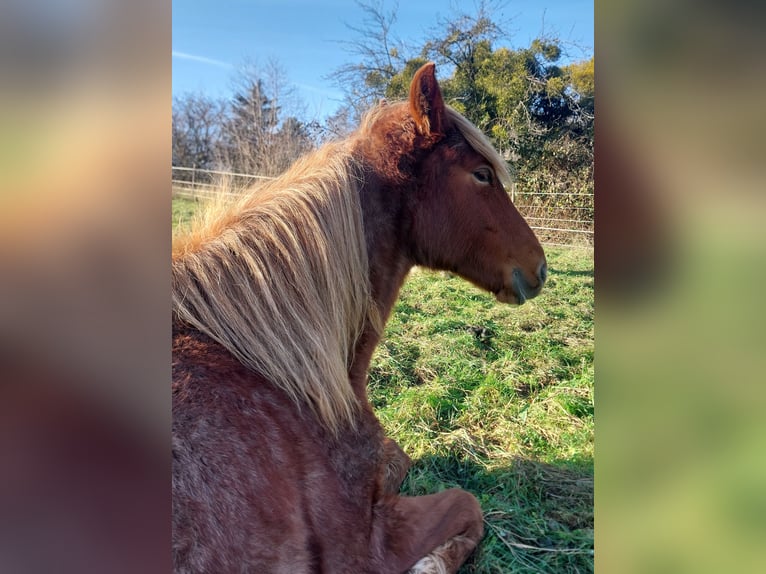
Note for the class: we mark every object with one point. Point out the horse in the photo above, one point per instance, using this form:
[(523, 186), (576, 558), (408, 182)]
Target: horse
[(279, 299)]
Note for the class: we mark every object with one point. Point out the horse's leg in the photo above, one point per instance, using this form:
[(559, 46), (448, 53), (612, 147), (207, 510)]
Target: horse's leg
[(446, 558), (396, 463), (437, 531)]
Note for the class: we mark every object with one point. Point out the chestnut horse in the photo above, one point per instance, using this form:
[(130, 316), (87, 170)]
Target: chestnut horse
[(279, 463)]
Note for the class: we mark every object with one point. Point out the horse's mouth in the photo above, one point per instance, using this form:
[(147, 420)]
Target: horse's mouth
[(516, 290), (508, 295)]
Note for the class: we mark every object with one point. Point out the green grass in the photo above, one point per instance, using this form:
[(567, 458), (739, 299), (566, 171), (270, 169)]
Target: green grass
[(498, 400), (183, 211)]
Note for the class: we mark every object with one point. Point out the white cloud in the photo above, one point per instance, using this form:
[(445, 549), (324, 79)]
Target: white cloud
[(202, 59)]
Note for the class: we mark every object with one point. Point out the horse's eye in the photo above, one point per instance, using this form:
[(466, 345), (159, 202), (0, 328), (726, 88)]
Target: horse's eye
[(483, 175)]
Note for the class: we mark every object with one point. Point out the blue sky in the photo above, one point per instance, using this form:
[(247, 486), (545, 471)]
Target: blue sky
[(213, 38)]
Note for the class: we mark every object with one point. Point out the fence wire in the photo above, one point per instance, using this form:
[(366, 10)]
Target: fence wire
[(558, 218)]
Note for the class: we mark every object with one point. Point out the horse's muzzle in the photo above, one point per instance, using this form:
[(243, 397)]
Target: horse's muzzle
[(523, 289)]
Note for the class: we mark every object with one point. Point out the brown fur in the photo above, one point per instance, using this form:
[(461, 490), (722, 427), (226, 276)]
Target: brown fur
[(279, 463)]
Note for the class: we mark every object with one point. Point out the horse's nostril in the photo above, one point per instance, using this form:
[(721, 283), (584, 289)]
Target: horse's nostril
[(543, 273), (524, 289)]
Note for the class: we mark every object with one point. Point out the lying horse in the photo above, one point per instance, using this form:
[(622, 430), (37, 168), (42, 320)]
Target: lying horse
[(279, 463)]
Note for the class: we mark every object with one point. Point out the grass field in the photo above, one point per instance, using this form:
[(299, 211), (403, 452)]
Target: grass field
[(183, 211), (497, 400)]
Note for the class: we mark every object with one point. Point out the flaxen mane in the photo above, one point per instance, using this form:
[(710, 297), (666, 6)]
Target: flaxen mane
[(280, 278)]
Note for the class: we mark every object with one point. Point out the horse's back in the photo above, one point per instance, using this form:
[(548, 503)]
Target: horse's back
[(249, 467)]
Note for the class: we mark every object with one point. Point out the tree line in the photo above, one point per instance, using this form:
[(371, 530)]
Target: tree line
[(538, 112), (252, 132)]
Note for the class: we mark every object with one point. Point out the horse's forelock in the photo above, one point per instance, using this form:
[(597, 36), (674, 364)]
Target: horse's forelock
[(481, 144), (378, 118)]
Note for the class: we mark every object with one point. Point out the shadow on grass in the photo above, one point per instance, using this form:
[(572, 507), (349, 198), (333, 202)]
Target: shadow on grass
[(538, 517), (570, 272)]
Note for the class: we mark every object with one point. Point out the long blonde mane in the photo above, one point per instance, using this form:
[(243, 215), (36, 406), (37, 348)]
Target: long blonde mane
[(280, 278)]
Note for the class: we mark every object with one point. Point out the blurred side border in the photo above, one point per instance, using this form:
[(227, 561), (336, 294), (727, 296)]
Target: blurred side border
[(680, 253), (85, 312), (85, 106)]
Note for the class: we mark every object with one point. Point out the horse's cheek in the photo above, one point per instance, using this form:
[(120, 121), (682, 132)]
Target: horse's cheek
[(427, 237)]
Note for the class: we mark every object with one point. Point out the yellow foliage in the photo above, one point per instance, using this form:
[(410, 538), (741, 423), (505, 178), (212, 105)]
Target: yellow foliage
[(581, 77)]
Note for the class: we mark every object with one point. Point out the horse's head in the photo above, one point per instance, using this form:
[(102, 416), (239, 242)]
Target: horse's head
[(462, 218)]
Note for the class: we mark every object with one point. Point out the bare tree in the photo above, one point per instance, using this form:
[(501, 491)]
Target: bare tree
[(379, 55), (338, 125), (260, 136), (196, 130)]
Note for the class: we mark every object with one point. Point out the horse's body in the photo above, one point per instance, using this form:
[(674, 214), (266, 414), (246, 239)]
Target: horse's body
[(272, 491), (279, 463)]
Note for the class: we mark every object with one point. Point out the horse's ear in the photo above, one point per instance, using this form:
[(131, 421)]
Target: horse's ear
[(426, 103)]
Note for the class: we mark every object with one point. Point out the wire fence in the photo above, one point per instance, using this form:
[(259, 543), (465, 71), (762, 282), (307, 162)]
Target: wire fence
[(562, 219), (195, 183)]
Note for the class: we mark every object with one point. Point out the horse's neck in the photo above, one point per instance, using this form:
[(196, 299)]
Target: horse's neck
[(387, 291), (389, 264)]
